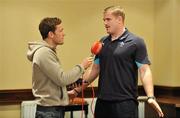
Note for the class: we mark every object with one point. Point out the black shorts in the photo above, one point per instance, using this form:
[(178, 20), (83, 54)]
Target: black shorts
[(115, 109), (49, 112)]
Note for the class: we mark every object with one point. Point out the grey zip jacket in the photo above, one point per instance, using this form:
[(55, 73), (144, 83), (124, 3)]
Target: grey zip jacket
[(49, 81)]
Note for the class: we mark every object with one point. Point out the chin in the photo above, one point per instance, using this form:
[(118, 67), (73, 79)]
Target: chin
[(108, 32)]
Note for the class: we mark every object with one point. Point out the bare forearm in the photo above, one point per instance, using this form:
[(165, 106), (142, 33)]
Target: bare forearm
[(146, 79), (89, 77)]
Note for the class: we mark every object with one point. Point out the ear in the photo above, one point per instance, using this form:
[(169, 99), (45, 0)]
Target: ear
[(50, 34), (120, 18)]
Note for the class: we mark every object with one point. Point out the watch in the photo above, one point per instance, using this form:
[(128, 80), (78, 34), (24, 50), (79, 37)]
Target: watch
[(151, 97)]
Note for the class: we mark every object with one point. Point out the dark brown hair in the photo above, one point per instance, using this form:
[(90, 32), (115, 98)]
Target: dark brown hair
[(48, 24)]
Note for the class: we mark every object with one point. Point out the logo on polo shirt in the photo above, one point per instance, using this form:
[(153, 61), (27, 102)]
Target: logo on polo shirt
[(121, 44)]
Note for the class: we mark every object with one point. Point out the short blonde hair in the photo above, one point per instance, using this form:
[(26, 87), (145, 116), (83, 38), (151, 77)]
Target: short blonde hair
[(116, 11)]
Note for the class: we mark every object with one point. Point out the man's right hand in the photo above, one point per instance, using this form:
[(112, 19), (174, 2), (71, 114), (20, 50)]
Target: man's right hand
[(87, 62), (72, 94)]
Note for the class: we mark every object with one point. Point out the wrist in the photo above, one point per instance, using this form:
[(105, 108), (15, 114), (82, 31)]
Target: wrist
[(76, 91), (151, 97), (85, 81)]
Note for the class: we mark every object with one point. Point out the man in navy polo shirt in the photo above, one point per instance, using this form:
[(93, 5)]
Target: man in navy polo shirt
[(123, 54)]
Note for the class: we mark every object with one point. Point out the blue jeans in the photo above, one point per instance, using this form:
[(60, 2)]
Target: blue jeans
[(49, 112)]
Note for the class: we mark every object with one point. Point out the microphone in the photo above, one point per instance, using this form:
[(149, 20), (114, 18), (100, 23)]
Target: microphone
[(96, 48)]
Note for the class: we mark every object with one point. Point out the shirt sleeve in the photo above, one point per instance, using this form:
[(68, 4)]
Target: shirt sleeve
[(141, 55), (96, 60), (52, 68)]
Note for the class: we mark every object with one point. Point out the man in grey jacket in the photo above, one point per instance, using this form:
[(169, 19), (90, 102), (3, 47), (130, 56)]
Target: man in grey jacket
[(49, 81)]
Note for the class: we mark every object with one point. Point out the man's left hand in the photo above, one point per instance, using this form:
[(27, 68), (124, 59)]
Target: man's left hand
[(156, 106)]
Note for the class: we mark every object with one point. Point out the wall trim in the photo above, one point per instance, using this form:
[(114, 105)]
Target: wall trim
[(16, 96)]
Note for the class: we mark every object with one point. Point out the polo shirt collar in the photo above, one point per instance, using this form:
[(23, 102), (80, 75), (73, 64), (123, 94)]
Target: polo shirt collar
[(122, 37)]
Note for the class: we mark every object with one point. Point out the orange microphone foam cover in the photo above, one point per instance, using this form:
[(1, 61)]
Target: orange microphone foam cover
[(96, 47)]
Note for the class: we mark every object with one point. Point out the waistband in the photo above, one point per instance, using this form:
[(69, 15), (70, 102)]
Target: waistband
[(116, 101), (50, 108)]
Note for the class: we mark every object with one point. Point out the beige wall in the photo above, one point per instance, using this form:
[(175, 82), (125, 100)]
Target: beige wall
[(10, 111), (176, 44), (176, 49), (166, 43), (154, 20), (83, 25), (162, 43)]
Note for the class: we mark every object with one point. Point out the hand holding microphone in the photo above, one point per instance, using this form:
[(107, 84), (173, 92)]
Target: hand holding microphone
[(87, 62), (95, 49)]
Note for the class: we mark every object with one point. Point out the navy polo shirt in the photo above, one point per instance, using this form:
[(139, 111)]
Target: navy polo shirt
[(119, 61)]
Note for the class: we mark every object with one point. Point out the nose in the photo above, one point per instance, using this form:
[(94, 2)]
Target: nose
[(105, 22)]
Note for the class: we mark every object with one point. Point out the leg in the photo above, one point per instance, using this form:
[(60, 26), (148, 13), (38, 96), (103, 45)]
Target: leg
[(125, 109), (49, 112), (110, 109)]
